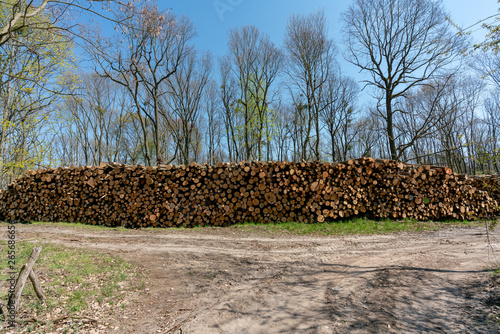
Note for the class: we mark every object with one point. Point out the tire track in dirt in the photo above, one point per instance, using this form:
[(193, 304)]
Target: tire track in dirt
[(227, 282)]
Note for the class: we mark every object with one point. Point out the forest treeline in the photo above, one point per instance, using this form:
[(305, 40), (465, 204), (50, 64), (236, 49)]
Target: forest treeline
[(427, 94)]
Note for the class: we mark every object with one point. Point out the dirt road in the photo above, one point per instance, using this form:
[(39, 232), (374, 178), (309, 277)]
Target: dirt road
[(227, 281)]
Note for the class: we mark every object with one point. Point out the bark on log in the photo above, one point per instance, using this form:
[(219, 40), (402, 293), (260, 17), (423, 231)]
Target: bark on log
[(36, 286), (138, 196)]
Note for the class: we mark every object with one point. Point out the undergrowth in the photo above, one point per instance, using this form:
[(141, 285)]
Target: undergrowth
[(77, 283)]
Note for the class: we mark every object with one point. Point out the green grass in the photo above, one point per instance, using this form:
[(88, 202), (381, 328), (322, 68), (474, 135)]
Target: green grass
[(494, 288), (72, 279), (353, 226), (345, 227), (77, 225)]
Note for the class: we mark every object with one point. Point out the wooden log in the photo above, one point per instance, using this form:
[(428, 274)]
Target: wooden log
[(36, 286), (21, 280)]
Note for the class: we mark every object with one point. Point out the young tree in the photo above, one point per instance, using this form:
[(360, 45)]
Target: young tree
[(55, 17), (401, 44), (29, 83), (253, 63), (492, 39)]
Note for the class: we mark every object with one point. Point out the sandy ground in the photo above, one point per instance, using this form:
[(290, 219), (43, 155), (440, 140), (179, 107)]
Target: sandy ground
[(228, 281)]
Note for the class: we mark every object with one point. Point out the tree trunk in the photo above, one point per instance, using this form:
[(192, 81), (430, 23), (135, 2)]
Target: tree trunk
[(390, 126)]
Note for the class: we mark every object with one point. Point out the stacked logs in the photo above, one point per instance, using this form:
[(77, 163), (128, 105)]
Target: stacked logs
[(138, 196), (488, 183)]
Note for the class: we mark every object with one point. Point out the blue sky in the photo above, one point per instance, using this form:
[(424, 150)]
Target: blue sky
[(213, 18)]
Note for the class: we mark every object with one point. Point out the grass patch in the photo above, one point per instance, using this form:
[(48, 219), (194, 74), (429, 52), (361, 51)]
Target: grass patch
[(494, 294), (77, 225), (345, 227), (352, 226), (75, 281)]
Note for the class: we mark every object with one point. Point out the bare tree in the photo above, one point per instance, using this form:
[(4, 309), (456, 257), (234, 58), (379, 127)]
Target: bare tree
[(310, 62), (440, 123), (214, 125), (446, 147), (163, 49), (95, 116), (472, 89), (227, 96), (300, 128), (367, 141), (337, 114), (186, 89), (421, 115), (283, 130), (492, 120), (401, 44), (151, 48)]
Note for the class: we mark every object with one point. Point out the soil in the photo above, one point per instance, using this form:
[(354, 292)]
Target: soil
[(230, 281)]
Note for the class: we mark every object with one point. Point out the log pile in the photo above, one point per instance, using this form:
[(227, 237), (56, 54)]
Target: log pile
[(488, 183), (198, 195)]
